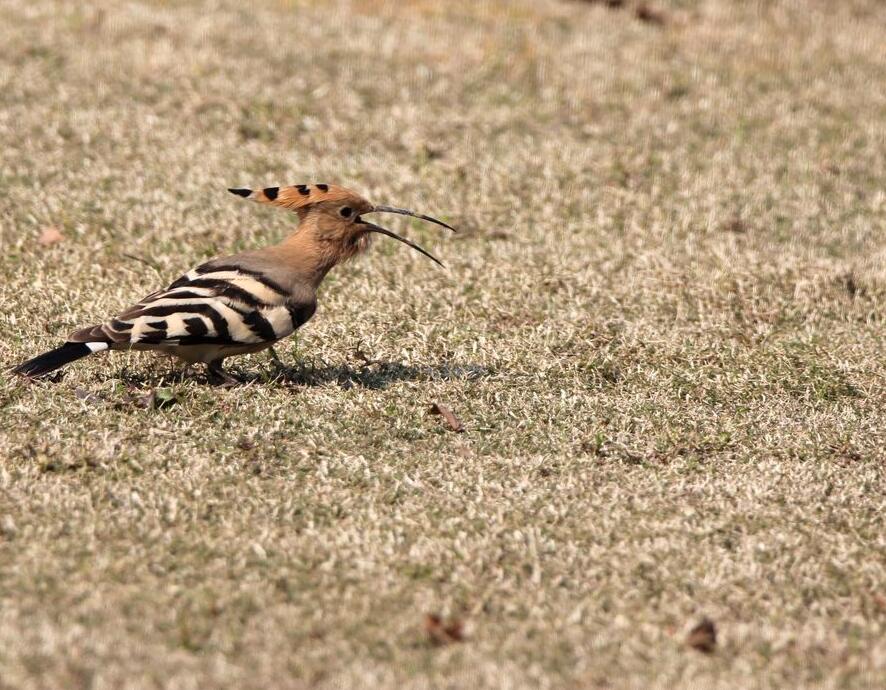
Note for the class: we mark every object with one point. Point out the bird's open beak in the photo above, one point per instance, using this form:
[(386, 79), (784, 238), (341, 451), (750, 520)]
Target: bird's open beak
[(370, 227), (407, 212)]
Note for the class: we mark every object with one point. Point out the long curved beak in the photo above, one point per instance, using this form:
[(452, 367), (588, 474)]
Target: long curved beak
[(407, 212), (383, 231)]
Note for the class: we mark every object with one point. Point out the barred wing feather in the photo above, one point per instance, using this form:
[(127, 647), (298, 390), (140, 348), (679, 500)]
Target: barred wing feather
[(211, 305)]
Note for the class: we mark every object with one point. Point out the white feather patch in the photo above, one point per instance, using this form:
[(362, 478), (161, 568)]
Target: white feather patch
[(97, 347), (280, 321)]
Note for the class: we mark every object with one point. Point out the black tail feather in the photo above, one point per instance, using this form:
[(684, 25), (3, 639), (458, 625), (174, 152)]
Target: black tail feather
[(52, 360)]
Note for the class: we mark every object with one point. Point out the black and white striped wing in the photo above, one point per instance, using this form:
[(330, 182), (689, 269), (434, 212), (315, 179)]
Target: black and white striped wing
[(211, 305)]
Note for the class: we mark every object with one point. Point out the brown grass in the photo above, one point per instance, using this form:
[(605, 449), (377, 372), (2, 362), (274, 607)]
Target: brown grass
[(661, 327)]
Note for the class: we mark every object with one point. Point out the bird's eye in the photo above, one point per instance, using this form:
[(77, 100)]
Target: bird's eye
[(346, 211)]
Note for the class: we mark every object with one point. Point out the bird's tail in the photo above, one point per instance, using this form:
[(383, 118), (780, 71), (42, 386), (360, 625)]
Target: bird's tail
[(59, 357)]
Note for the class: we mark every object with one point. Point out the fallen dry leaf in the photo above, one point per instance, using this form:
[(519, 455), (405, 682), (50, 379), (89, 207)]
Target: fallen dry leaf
[(440, 632), (50, 235), (452, 421), (703, 636), (649, 15)]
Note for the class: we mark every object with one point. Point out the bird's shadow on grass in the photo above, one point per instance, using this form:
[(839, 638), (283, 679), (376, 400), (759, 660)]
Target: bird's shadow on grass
[(375, 375)]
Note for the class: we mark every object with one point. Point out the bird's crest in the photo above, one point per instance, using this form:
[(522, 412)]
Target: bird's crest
[(294, 197)]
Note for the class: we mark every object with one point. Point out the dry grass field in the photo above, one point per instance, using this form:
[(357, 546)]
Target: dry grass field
[(662, 326)]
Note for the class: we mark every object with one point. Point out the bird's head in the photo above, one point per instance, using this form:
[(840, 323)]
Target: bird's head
[(335, 216)]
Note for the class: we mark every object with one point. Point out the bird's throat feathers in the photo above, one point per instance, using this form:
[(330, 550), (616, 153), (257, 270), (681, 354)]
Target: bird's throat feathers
[(317, 246)]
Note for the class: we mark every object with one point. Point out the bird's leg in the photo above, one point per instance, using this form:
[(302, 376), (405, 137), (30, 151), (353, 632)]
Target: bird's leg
[(218, 376), (275, 360)]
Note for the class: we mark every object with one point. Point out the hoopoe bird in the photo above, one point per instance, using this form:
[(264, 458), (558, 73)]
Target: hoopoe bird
[(246, 302)]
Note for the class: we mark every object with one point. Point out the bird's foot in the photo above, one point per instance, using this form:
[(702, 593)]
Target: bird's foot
[(219, 377)]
